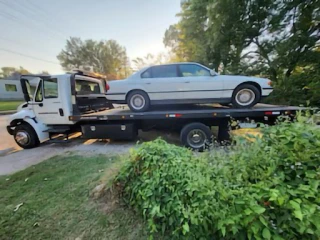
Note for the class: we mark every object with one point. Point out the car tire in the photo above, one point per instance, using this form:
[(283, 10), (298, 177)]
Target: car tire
[(138, 101), (25, 136), (196, 136), (245, 96)]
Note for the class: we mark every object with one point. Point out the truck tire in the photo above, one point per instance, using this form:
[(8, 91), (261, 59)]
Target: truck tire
[(196, 136), (25, 136), (245, 96), (138, 101)]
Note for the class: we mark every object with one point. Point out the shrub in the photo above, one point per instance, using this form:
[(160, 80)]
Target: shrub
[(265, 189), (169, 186), (302, 88)]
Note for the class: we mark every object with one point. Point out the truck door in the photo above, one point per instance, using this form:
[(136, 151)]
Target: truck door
[(47, 105)]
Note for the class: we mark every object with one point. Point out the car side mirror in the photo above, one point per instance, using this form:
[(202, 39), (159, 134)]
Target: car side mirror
[(213, 73)]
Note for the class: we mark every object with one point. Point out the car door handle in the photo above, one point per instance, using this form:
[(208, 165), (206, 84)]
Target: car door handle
[(40, 104), (187, 82), (148, 83)]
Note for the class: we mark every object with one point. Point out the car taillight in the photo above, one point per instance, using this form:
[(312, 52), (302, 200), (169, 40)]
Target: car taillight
[(270, 83), (107, 87)]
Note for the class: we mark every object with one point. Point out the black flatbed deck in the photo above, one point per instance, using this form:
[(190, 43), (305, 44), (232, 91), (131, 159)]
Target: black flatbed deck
[(188, 112)]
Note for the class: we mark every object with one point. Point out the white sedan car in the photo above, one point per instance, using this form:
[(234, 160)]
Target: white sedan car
[(186, 83)]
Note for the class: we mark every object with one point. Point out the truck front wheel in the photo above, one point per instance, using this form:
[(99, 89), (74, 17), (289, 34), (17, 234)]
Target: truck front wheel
[(25, 136)]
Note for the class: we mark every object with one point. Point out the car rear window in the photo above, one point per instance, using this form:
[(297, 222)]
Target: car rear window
[(146, 74)]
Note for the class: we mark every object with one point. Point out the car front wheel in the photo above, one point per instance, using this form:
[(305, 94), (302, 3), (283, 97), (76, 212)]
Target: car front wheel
[(138, 101), (245, 96)]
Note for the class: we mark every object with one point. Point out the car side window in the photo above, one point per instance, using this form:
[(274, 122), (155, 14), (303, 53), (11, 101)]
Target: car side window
[(146, 74), (164, 71), (193, 70), (50, 88)]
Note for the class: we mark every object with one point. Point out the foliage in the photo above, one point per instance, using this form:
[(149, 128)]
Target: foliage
[(302, 88), (105, 57), (151, 59), (273, 34), (12, 72), (163, 182), (265, 189)]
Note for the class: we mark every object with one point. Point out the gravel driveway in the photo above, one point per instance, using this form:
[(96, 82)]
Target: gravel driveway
[(13, 158)]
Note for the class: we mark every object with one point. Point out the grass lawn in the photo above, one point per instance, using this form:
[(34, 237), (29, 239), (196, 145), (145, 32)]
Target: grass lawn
[(9, 105), (57, 203)]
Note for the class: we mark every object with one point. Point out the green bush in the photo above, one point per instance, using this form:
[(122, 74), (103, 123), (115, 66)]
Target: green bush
[(266, 189), (302, 88)]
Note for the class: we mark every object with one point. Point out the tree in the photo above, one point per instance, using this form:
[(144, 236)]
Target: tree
[(151, 59), (7, 71), (105, 57), (272, 35), (12, 72)]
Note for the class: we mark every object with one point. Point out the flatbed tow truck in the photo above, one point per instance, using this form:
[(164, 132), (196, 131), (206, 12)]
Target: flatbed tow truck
[(59, 105)]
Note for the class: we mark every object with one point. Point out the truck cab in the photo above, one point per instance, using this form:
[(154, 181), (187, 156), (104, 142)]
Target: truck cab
[(50, 100)]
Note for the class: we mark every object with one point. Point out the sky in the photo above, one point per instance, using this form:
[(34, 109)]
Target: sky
[(33, 32)]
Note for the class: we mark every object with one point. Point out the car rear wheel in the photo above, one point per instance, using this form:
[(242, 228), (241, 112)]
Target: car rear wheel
[(25, 136), (245, 96), (138, 101)]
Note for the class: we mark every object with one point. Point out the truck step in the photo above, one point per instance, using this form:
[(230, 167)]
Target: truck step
[(56, 130), (61, 138), (59, 141), (61, 129)]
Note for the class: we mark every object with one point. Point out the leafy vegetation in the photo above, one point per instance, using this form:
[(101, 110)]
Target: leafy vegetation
[(14, 73), (9, 105), (105, 57), (150, 59), (264, 189), (57, 205)]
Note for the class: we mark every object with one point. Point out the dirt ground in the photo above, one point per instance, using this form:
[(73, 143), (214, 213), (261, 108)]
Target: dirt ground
[(13, 158)]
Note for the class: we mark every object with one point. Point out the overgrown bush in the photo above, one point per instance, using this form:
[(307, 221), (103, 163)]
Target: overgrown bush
[(265, 189), (302, 88)]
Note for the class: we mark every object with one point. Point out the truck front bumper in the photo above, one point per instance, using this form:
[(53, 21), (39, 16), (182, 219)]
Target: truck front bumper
[(10, 130)]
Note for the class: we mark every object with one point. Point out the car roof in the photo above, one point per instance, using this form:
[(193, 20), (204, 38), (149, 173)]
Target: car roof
[(175, 63)]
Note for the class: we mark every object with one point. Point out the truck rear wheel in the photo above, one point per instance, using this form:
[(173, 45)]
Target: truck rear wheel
[(25, 136), (196, 136)]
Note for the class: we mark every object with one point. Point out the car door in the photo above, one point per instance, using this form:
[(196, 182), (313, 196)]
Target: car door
[(199, 83), (47, 104), (162, 83)]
